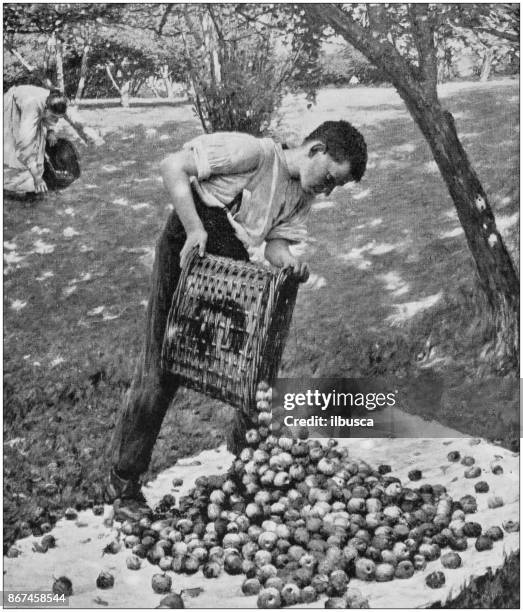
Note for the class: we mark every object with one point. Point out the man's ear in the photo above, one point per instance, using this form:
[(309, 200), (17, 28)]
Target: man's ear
[(317, 147)]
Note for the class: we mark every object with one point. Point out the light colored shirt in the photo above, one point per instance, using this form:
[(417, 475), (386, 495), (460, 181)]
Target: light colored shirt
[(273, 204), (24, 136)]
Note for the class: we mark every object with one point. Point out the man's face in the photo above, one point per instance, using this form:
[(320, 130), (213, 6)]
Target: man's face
[(50, 119), (320, 174)]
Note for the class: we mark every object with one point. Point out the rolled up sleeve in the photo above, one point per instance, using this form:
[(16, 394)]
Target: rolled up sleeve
[(224, 153)]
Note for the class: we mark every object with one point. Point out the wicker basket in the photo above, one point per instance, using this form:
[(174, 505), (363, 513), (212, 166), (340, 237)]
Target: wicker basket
[(61, 165), (227, 327)]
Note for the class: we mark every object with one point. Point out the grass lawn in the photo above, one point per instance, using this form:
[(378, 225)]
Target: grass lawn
[(392, 290)]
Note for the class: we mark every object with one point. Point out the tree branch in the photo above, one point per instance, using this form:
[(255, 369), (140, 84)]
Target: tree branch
[(424, 40), (163, 20), (42, 79), (498, 34), (110, 75), (217, 26), (250, 19)]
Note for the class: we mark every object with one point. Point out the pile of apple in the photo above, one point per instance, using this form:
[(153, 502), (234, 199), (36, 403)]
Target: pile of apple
[(300, 518)]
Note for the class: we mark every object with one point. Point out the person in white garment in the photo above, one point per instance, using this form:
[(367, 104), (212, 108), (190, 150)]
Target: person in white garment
[(30, 114)]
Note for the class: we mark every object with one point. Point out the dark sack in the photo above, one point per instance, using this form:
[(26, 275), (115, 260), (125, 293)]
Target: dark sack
[(61, 166)]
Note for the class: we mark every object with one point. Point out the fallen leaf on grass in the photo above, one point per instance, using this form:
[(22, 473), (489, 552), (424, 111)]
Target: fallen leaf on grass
[(45, 275), (322, 205), (109, 317), (109, 168), (13, 258), (96, 311), (69, 290), (69, 211), (69, 232), (57, 361), (135, 249), (17, 305), (40, 230), (361, 194), (43, 248), (15, 442)]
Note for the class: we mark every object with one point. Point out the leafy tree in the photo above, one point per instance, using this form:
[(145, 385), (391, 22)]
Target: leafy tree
[(238, 60), (401, 40)]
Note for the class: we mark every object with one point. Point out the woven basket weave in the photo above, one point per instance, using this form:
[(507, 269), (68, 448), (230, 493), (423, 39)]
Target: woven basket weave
[(227, 327)]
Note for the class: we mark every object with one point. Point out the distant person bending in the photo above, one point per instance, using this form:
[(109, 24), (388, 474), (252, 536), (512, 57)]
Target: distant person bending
[(30, 113), (229, 191)]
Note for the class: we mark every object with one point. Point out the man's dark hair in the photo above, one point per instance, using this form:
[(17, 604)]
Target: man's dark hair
[(56, 102), (343, 142)]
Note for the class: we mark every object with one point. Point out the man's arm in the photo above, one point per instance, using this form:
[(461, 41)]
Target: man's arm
[(176, 171)]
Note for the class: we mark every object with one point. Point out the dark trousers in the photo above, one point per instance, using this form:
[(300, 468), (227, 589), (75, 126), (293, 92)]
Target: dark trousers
[(152, 389)]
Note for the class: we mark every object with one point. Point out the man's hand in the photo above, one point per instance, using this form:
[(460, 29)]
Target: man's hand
[(52, 138), (277, 253), (195, 238), (301, 269), (40, 186)]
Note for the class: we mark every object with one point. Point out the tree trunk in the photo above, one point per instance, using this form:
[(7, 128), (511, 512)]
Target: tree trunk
[(83, 75), (125, 93), (123, 90), (167, 81), (487, 65), (495, 268), (151, 83), (59, 66)]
